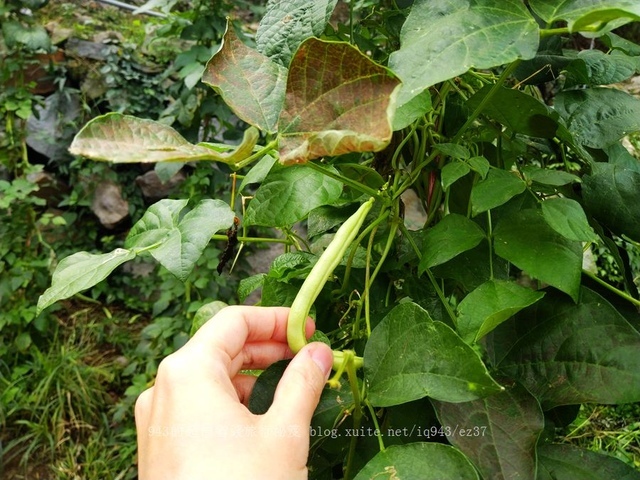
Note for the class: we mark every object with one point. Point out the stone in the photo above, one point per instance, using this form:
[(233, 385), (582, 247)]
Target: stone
[(154, 189), (108, 204)]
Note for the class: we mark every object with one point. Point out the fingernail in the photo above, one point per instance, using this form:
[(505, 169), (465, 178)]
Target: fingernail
[(323, 358)]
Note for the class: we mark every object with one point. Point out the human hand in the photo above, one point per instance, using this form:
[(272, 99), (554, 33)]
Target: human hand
[(194, 424)]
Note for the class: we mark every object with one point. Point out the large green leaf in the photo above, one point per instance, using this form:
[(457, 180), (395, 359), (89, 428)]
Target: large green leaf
[(125, 139), (250, 83), (287, 23), (337, 101), (450, 237), (426, 461), (519, 112), (287, 195), (497, 433), (566, 353), (410, 356), (593, 67), (612, 195), (177, 241), (560, 462), (567, 217), (80, 271), (491, 304), (441, 39), (527, 241), (587, 15), (599, 117), (498, 188)]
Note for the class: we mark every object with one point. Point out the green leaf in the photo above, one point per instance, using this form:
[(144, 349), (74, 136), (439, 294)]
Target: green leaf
[(453, 171), (178, 242), (410, 356), (545, 176), (593, 67), (611, 195), (250, 83), (498, 188), (527, 241), (332, 110), (450, 237), (516, 110), (491, 304), (258, 172), (287, 23), (480, 165), (409, 112), (441, 39), (287, 196), (587, 15), (205, 313), (567, 461), (567, 217), (497, 433), (34, 37), (125, 139), (426, 461), (599, 117), (250, 284), (566, 353), (80, 271), (453, 150)]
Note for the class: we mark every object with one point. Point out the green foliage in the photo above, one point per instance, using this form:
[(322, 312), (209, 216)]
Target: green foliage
[(483, 316)]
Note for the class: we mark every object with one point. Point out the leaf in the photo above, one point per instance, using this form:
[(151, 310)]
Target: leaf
[(34, 37), (593, 67), (450, 237), (426, 461), (599, 117), (178, 242), (205, 313), (409, 112), (81, 271), (519, 112), (566, 353), (441, 39), (287, 196), (453, 171), (125, 139), (250, 83), (453, 150), (612, 196), (567, 217), (497, 189), (497, 433), (410, 356), (567, 461), (250, 284), (331, 109), (480, 165), (545, 176), (589, 15), (491, 304), (286, 23), (258, 172)]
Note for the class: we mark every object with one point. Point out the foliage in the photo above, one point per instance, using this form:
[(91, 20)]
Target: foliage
[(463, 358)]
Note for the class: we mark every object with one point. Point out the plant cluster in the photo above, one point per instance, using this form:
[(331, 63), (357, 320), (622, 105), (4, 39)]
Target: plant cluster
[(459, 345)]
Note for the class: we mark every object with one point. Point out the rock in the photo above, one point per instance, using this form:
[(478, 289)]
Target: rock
[(108, 204), (84, 49), (49, 187), (153, 188)]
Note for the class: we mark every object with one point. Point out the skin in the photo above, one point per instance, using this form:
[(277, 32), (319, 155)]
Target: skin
[(194, 423)]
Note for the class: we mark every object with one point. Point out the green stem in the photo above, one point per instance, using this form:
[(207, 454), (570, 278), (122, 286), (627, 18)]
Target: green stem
[(490, 238), (547, 32), (357, 418), (374, 419), (372, 192), (254, 239), (367, 282), (254, 156), (392, 234), (611, 288)]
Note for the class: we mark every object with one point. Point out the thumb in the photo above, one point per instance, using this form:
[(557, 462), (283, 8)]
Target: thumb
[(301, 385)]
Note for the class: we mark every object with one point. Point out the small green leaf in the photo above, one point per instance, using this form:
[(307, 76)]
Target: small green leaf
[(176, 241), (426, 461), (258, 172), (587, 16), (453, 171), (287, 196), (566, 353), (205, 313), (545, 176), (287, 23), (330, 110), (558, 461), (250, 83), (527, 241), (497, 433), (480, 165), (450, 237), (410, 356), (491, 304), (125, 139), (409, 112), (80, 271), (567, 217), (250, 284), (599, 117), (498, 188), (453, 150), (442, 39)]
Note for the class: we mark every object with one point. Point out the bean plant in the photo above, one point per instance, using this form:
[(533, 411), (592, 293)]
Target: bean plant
[(461, 343)]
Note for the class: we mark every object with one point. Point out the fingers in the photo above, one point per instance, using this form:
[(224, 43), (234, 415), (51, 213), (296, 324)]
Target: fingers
[(300, 387)]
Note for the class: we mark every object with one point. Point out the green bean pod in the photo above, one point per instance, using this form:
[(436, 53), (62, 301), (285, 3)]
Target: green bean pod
[(319, 275)]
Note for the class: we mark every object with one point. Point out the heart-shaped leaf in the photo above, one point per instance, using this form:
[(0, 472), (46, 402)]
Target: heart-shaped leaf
[(496, 189), (450, 237), (590, 16), (567, 217), (337, 101), (250, 83)]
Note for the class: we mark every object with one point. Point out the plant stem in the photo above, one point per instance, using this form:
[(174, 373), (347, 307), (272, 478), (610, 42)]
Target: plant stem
[(547, 32), (611, 288), (254, 239), (357, 416), (374, 419), (490, 238), (367, 282), (254, 156)]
